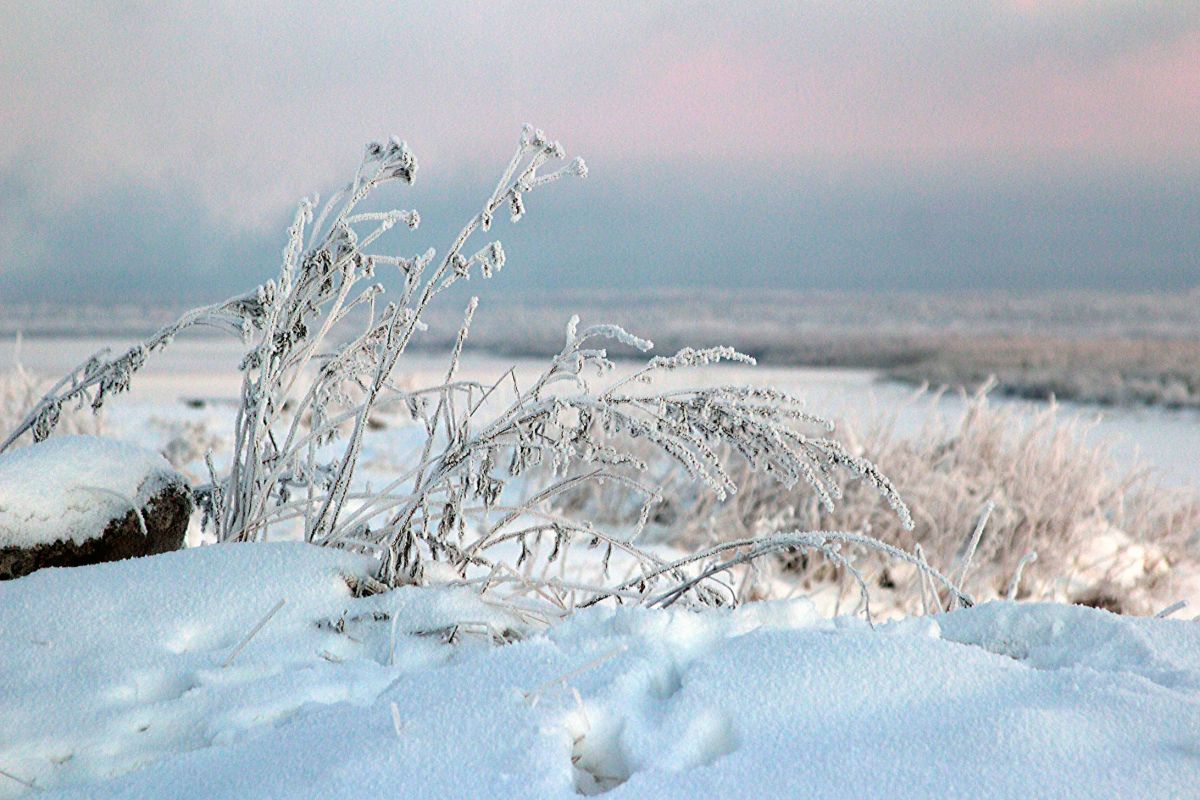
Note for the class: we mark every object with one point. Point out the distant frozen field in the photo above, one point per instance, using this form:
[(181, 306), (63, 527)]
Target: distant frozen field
[(206, 368), (1110, 348)]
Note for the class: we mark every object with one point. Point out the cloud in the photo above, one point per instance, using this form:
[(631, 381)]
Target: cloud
[(132, 244), (679, 230), (235, 110)]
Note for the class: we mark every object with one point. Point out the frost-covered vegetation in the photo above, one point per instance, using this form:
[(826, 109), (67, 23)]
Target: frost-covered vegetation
[(323, 347), (586, 509), (1107, 371), (514, 474), (21, 390), (1062, 519)]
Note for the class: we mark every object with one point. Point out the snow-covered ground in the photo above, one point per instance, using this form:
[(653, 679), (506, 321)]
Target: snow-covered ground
[(247, 671), (135, 680)]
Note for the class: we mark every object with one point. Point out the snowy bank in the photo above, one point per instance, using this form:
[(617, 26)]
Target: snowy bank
[(68, 487), (136, 679)]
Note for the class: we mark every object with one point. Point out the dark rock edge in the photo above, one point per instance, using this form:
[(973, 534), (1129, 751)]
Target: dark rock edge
[(166, 514)]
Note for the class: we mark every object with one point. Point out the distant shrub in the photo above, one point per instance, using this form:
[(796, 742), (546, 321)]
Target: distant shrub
[(1104, 370), (1104, 533)]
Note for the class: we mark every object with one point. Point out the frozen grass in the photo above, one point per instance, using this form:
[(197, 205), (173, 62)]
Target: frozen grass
[(1104, 533), (324, 341), (21, 390)]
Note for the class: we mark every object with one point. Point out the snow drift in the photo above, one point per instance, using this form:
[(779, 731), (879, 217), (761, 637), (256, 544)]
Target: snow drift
[(138, 679)]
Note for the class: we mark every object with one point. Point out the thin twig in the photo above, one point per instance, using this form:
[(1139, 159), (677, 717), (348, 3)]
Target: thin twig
[(253, 632)]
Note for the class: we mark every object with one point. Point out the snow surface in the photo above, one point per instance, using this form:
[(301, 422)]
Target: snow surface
[(126, 680), (86, 480)]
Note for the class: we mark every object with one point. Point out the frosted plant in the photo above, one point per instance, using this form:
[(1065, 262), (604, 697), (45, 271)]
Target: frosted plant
[(280, 469), (20, 390), (1104, 532), (92, 383), (479, 505)]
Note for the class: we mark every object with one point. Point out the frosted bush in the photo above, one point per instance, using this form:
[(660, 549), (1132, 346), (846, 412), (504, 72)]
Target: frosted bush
[(478, 505), (1104, 533), (20, 390)]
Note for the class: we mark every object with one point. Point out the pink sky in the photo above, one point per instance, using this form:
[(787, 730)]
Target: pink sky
[(251, 106), (931, 143)]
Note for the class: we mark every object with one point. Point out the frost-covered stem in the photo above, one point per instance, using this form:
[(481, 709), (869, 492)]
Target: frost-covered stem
[(487, 540), (557, 522), (116, 372), (806, 540), (1014, 585), (253, 632), (973, 545), (327, 516)]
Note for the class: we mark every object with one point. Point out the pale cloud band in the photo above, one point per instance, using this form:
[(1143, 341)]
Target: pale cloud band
[(235, 110)]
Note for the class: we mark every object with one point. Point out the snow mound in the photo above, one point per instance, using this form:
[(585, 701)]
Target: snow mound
[(68, 488), (1049, 636), (136, 679)]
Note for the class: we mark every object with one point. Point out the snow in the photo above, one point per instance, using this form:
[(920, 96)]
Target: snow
[(88, 481), (170, 676), (125, 680)]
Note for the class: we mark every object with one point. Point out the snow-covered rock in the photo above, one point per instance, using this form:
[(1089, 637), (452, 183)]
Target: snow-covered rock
[(74, 500), (183, 676)]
